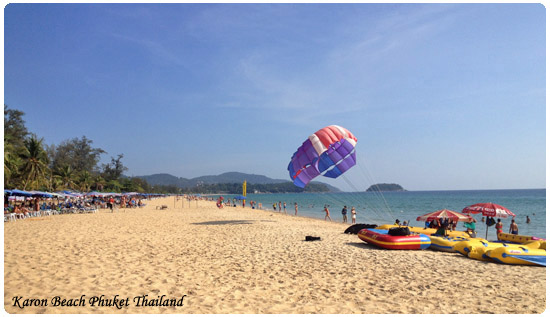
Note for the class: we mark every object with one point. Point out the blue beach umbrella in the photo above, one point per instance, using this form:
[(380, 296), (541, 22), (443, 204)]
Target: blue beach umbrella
[(36, 193), (17, 192)]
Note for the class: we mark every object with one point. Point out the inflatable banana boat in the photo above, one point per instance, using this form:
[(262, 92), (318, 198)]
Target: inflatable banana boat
[(475, 248), (427, 231), (381, 238), (533, 253), (516, 238), (445, 244)]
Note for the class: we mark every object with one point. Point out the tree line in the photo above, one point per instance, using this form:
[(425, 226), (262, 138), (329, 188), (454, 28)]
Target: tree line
[(29, 164), (236, 188)]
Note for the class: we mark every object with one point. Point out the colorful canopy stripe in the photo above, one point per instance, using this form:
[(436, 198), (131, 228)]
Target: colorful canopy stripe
[(329, 152)]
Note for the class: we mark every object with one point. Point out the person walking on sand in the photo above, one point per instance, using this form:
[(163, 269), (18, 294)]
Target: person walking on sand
[(514, 227), (353, 215), (345, 214), (111, 203), (327, 213), (295, 209)]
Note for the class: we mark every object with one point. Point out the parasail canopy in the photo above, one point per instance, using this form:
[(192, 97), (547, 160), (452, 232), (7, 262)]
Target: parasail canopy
[(329, 152)]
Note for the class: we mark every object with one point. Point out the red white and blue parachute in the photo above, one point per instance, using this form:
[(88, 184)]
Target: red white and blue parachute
[(329, 152)]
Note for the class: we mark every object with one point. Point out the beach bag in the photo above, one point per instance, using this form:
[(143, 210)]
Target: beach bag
[(399, 231), (311, 238)]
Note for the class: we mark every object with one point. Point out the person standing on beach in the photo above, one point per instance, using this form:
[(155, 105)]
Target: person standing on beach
[(514, 227), (353, 215), (327, 213), (345, 214), (279, 206), (295, 209), (274, 206), (498, 226), (284, 207)]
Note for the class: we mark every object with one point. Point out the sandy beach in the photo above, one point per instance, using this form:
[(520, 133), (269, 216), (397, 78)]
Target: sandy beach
[(240, 260)]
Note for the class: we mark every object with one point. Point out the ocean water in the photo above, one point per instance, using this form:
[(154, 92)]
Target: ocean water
[(382, 208)]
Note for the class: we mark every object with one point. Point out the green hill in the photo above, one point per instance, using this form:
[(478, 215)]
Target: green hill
[(385, 188), (261, 183)]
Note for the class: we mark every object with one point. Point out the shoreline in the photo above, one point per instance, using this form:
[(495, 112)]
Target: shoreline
[(243, 260)]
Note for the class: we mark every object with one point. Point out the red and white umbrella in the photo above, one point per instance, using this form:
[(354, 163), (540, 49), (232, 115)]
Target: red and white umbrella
[(488, 210), (444, 213)]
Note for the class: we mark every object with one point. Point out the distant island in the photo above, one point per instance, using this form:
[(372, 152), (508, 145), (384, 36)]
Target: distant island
[(385, 188)]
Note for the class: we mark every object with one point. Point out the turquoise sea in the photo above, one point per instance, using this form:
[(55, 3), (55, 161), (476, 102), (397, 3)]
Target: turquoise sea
[(384, 207)]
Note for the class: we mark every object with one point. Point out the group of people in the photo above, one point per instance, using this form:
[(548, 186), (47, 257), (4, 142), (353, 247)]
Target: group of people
[(38, 206), (344, 214), (282, 207), (443, 224)]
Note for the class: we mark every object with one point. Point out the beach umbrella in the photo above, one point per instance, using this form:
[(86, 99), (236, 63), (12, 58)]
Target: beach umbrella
[(488, 210), (95, 194), (37, 193), (443, 213), (71, 194), (17, 192)]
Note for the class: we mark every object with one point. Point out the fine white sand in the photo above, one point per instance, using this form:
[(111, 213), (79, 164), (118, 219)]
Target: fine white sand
[(239, 260)]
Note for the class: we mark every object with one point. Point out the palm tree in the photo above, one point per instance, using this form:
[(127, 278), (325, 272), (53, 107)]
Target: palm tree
[(66, 175), (99, 183), (85, 181), (10, 162), (54, 182), (35, 162)]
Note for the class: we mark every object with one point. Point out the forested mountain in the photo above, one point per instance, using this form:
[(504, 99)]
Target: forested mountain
[(225, 178), (228, 182)]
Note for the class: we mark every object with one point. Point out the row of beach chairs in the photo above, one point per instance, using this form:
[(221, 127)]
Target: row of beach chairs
[(48, 212)]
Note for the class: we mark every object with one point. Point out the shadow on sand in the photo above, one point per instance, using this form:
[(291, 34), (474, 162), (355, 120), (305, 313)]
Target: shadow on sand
[(225, 222), (361, 245)]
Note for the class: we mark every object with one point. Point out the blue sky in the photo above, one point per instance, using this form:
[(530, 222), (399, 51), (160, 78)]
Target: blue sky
[(439, 96)]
